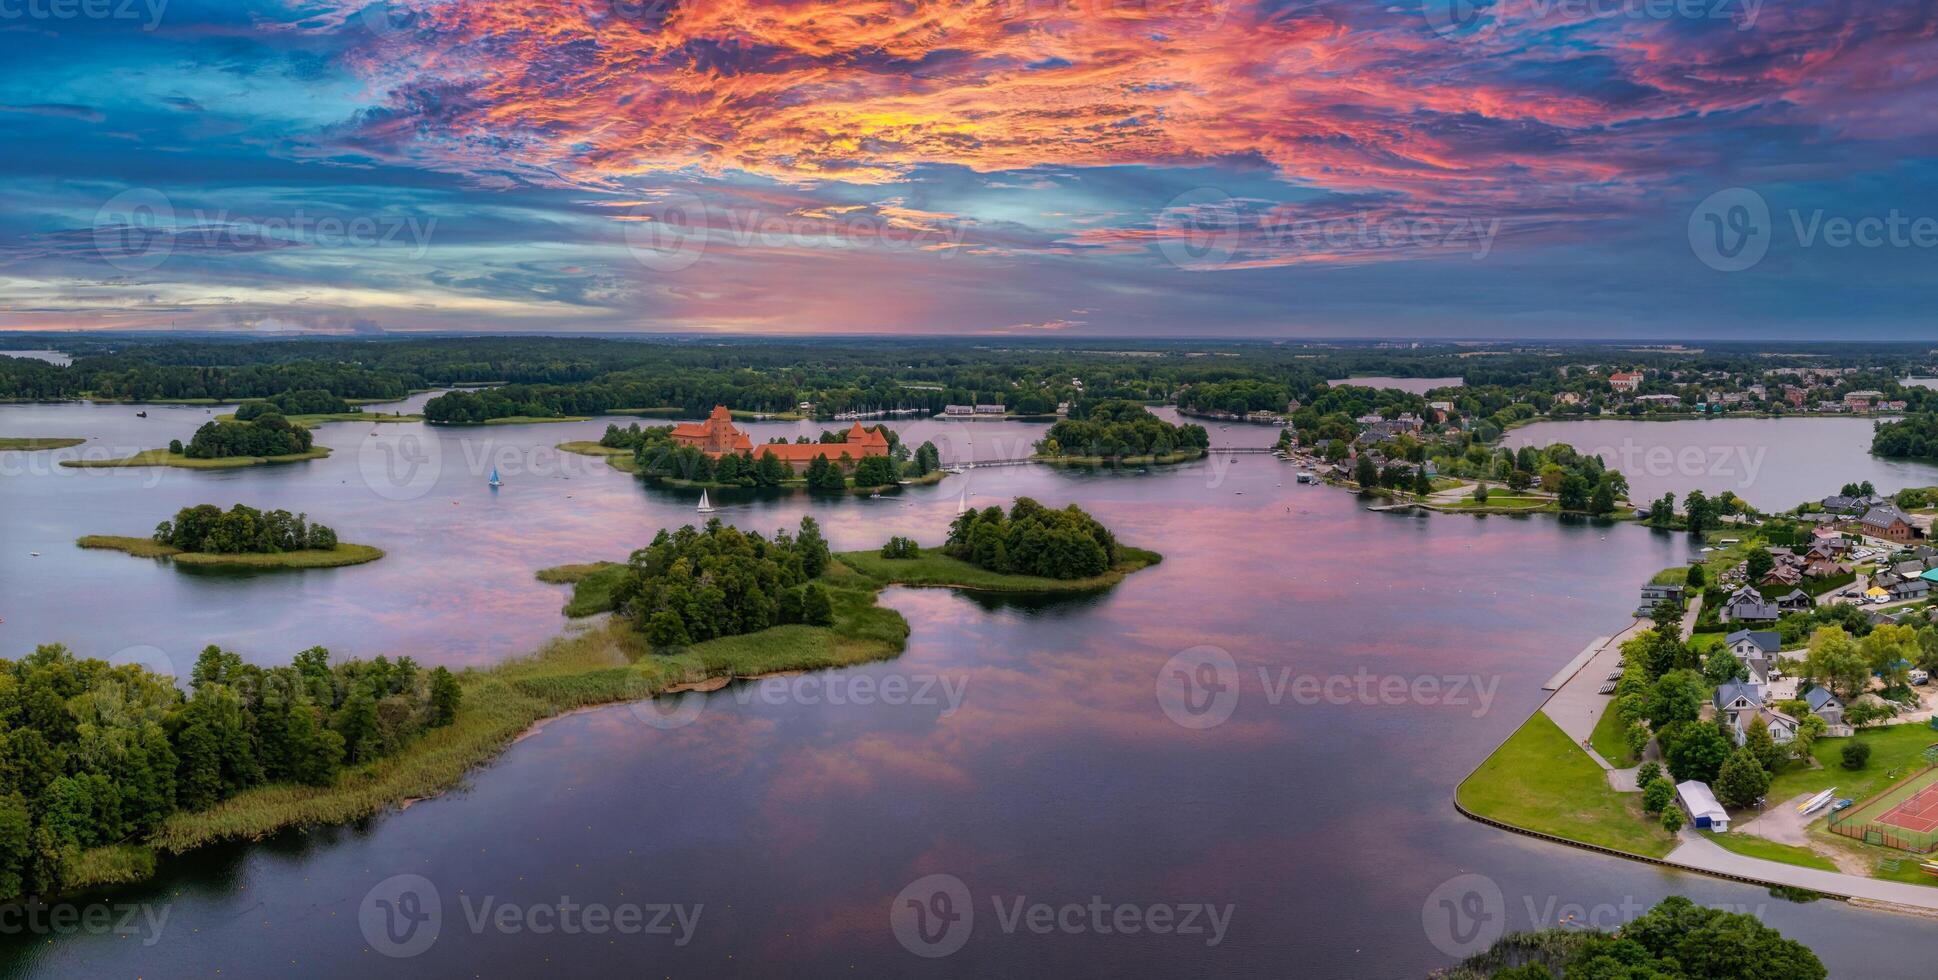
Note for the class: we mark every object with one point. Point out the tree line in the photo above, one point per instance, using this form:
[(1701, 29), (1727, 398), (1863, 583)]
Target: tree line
[(94, 754), (1115, 429), (1033, 540), (268, 434), (691, 585), (309, 401), (208, 529)]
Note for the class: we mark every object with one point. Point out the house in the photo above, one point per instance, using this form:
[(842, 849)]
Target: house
[(1782, 574), (1737, 700), (989, 409), (1909, 569), (1861, 401), (1704, 812), (1625, 381), (1796, 600), (1745, 605), (1825, 705), (1757, 649), (1909, 588), (1841, 504), (1659, 401), (1782, 727), (958, 411), (1888, 522), (1652, 594), (717, 437)]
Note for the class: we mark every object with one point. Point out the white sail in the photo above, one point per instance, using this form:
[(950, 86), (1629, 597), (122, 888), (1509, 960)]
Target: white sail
[(705, 507)]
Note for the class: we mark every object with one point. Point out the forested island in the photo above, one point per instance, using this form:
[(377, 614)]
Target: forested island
[(650, 452), (242, 536), (104, 762), (1913, 437), (1121, 431), (1675, 940), (267, 437)]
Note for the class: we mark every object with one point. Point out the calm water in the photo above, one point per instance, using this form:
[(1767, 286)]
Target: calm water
[(1772, 463), (795, 822), (1417, 386), (50, 356)]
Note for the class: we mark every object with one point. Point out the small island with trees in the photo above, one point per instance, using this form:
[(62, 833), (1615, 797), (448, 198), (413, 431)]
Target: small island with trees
[(264, 438), (1120, 432), (823, 465), (242, 537)]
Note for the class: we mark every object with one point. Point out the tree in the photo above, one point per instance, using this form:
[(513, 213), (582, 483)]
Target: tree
[(1720, 666), (446, 695), (1742, 780), (1573, 492), (667, 631), (1695, 750), (812, 547), (1421, 485), (1603, 499), (1678, 696), (1835, 662), (1671, 819), (1696, 506), (874, 471), (1365, 472), (1809, 730), (1758, 563), (1696, 578), (816, 609), (1856, 754), (1648, 772), (1480, 493), (1757, 739), (1657, 795)]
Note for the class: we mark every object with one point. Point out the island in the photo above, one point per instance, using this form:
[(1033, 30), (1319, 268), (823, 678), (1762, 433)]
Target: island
[(265, 438), (243, 537), (1120, 432), (29, 444), (334, 743), (717, 455)]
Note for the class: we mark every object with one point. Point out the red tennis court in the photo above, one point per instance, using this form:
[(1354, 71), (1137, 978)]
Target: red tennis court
[(1919, 813)]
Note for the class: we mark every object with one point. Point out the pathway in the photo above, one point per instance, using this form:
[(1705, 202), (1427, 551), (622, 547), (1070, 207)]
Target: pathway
[(1577, 704), (1704, 855)]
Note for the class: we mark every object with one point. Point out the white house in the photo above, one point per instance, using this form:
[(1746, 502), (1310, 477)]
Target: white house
[(1704, 811), (1757, 649)]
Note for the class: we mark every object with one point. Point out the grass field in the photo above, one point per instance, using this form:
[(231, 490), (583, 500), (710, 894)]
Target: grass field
[(1898, 747), (1608, 739), (1539, 779), (935, 569), (28, 444), (1750, 845), (588, 447), (162, 457), (592, 584), (1500, 502), (341, 555)]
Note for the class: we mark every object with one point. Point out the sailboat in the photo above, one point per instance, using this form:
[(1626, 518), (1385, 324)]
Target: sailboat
[(705, 507), (494, 478), (962, 503)]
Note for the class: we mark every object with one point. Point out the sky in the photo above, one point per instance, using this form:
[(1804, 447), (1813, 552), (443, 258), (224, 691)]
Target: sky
[(1661, 169)]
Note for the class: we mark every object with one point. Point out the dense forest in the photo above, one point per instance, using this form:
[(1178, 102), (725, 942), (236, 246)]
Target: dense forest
[(692, 585), (1914, 437), (1675, 940), (268, 434), (243, 530), (94, 754), (1114, 429), (309, 401), (1033, 540)]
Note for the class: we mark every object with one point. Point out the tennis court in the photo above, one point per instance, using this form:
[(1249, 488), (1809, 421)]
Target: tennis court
[(1904, 816)]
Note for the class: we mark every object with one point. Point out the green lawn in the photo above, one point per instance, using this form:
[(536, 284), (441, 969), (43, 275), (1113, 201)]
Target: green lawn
[(341, 555), (1704, 642), (933, 568), (1608, 739), (1750, 845), (1892, 747), (592, 585), (162, 457), (28, 444), (1539, 779)]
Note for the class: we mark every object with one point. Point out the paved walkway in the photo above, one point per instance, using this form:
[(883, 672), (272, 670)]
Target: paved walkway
[(1577, 704), (1704, 855)]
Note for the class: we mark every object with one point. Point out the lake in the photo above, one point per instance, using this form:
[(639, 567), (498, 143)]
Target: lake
[(1416, 386), (50, 356), (1774, 464), (1028, 756)]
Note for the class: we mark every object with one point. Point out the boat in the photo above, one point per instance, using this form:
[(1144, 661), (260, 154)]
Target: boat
[(1306, 476), (494, 478), (1817, 802), (705, 506), (141, 415)]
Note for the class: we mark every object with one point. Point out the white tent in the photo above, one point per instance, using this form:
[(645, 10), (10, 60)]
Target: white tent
[(1703, 809)]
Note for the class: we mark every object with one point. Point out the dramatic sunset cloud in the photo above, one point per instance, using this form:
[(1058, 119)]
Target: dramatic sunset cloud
[(1215, 166)]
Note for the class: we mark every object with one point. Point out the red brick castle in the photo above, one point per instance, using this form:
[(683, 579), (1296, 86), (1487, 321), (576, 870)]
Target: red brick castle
[(717, 437)]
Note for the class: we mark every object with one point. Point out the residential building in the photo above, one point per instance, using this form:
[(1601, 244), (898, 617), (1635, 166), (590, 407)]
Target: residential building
[(1825, 705), (1704, 812), (1625, 381), (1738, 700), (1757, 649), (1746, 605), (1888, 522)]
